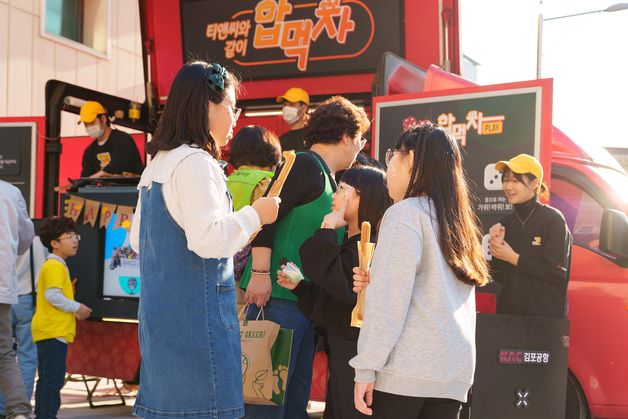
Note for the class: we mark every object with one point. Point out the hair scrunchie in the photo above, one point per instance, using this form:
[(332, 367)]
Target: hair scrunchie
[(216, 78)]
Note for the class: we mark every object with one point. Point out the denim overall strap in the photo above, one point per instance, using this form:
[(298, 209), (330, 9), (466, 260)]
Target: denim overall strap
[(188, 325)]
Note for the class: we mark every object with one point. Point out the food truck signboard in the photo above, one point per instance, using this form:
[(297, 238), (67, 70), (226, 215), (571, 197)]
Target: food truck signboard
[(492, 123), (288, 38)]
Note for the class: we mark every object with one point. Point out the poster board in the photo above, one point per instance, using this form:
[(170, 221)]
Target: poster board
[(491, 122), (18, 150)]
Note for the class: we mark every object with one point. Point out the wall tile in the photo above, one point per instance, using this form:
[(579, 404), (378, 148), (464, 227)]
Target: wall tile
[(65, 63), (43, 69), (86, 70), (106, 81), (125, 74), (24, 5), (128, 27), (20, 63)]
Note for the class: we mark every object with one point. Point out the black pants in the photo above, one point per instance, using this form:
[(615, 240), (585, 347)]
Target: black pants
[(392, 406), (339, 400), (51, 356)]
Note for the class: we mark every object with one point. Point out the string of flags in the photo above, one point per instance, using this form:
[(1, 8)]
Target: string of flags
[(75, 205)]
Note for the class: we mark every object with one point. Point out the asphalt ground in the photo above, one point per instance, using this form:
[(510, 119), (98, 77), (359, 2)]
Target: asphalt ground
[(74, 402)]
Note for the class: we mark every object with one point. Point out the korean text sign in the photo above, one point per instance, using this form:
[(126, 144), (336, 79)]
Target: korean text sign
[(287, 38)]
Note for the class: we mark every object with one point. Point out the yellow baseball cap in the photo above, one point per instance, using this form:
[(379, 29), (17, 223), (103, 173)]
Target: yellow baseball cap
[(90, 110), (523, 163), (295, 94)]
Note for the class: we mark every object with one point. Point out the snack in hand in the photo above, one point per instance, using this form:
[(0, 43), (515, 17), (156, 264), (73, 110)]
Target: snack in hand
[(365, 256), (293, 272)]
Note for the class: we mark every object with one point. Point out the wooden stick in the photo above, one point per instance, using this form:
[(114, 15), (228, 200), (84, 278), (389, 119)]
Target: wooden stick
[(275, 190)]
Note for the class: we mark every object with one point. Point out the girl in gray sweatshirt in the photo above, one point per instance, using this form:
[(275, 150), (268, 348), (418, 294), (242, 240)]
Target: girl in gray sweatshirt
[(416, 350)]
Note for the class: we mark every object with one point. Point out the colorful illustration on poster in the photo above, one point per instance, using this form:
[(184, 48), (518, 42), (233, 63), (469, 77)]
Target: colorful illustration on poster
[(121, 273)]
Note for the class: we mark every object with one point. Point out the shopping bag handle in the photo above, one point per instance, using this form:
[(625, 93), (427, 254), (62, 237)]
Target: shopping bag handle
[(245, 310)]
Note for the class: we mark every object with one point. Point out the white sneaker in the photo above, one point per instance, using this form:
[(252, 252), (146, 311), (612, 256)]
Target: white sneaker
[(22, 417)]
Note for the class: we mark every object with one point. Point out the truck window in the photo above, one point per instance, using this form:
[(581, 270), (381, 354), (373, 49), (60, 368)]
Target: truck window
[(582, 213)]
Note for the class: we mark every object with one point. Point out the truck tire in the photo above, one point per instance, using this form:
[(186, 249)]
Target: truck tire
[(576, 402)]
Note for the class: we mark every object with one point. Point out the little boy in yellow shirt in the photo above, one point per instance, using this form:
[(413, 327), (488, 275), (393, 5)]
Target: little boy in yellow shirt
[(54, 322)]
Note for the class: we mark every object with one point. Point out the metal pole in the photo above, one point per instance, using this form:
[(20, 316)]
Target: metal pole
[(539, 43), (576, 14)]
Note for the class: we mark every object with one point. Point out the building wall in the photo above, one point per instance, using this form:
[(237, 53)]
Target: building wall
[(28, 60)]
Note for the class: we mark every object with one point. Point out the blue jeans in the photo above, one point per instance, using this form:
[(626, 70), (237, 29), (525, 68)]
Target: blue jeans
[(51, 355), (22, 314), (289, 316)]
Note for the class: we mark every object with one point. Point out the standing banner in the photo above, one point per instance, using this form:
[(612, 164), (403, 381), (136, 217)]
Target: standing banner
[(491, 123), (106, 212), (73, 207), (91, 212)]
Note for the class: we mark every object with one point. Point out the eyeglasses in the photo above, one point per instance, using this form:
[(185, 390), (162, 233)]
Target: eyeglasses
[(234, 111), (389, 156), (391, 153), (76, 237), (344, 189)]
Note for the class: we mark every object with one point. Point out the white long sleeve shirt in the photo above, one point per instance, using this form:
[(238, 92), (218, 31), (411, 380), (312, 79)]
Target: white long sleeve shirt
[(196, 196), (16, 235), (23, 266)]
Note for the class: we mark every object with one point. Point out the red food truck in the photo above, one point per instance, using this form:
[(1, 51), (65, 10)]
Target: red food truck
[(332, 47)]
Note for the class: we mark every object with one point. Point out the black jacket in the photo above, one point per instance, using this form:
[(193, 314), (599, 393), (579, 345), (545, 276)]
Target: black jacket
[(328, 299), (537, 286)]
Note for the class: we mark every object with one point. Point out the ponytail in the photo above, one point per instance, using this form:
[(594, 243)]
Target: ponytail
[(542, 191)]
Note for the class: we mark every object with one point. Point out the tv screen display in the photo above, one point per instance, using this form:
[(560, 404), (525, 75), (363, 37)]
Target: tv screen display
[(121, 273)]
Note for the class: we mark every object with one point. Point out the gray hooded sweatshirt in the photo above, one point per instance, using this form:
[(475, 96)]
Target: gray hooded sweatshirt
[(418, 337)]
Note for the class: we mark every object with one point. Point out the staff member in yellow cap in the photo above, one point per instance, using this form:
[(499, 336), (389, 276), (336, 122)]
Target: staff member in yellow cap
[(294, 111), (112, 151), (531, 247)]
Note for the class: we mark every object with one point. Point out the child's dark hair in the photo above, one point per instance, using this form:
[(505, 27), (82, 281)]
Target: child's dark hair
[(370, 184), (437, 172), (255, 146), (541, 191), (54, 227)]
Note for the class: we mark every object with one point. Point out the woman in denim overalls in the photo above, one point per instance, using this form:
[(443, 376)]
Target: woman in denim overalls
[(186, 234)]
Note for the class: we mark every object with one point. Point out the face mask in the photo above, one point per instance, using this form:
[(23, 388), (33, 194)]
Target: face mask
[(95, 131), (290, 114)]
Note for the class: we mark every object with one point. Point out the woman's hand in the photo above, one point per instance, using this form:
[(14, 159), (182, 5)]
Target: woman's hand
[(267, 209), (334, 219), (501, 250), (259, 289), (361, 280), (363, 397), (497, 231), (284, 281)]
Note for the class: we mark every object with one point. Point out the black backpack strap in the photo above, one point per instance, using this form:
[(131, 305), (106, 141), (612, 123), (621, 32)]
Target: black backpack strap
[(32, 264)]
